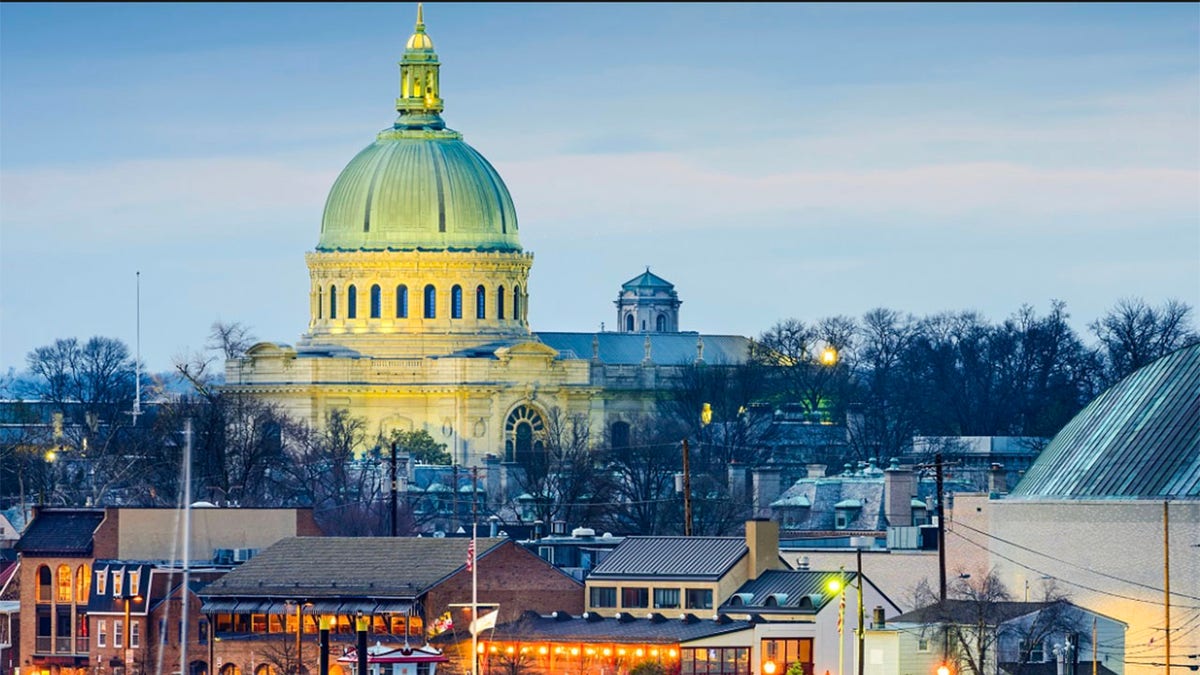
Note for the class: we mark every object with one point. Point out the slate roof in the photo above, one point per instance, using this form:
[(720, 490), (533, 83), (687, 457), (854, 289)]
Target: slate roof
[(699, 558), (825, 495), (967, 612), (1140, 439), (666, 349), (793, 590), (66, 532), (332, 567), (595, 629), (109, 602)]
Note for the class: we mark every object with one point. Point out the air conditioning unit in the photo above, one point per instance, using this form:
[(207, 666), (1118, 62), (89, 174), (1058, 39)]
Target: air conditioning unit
[(243, 554)]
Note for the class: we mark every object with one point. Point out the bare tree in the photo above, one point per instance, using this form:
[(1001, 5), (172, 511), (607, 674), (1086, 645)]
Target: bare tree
[(1134, 333)]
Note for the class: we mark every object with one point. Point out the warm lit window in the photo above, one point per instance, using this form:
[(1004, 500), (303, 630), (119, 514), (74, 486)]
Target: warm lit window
[(376, 302), (603, 596), (456, 302), (480, 303), (352, 302), (430, 302), (101, 581), (402, 302), (635, 597), (786, 651), (101, 633), (83, 582), (699, 598), (715, 661), (64, 584), (135, 577), (666, 598)]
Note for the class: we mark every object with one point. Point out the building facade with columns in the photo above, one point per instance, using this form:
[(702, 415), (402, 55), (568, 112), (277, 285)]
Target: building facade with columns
[(419, 305)]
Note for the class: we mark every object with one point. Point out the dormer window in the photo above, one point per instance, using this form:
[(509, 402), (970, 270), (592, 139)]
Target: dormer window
[(845, 512)]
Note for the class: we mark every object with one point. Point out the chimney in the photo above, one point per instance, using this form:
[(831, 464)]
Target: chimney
[(899, 488), (762, 539), (997, 480), (766, 490), (738, 482), (878, 620), (816, 470)]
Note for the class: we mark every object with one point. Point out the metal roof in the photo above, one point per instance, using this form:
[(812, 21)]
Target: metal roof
[(666, 349), (661, 557), (786, 590), (1138, 440), (647, 279)]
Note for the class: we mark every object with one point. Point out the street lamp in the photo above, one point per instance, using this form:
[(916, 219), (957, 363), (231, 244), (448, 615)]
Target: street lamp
[(128, 629), (299, 631)]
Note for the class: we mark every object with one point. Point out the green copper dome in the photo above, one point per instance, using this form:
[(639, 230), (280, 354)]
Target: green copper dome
[(419, 186)]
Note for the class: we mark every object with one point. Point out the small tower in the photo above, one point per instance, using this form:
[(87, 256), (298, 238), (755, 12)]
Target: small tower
[(420, 99), (648, 304)]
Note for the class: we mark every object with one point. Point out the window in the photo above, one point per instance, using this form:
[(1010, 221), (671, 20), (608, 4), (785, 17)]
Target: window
[(134, 577), (603, 596), (922, 644), (101, 581), (64, 585), (1032, 653), (352, 302), (784, 652), (500, 303), (628, 323), (480, 303), (135, 634), (620, 434), (666, 598), (118, 578), (430, 302), (333, 302), (44, 583), (320, 302), (699, 598), (118, 633), (714, 661), (376, 302), (83, 583), (101, 633), (456, 302), (517, 303), (635, 597), (402, 302), (660, 324)]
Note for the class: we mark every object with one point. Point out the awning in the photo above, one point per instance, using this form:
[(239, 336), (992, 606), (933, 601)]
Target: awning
[(218, 606), (392, 607)]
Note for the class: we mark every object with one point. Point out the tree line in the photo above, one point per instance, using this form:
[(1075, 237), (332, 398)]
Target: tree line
[(892, 376)]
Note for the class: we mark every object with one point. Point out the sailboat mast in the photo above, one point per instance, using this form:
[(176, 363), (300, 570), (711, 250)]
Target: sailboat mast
[(187, 547), (474, 573), (137, 364)]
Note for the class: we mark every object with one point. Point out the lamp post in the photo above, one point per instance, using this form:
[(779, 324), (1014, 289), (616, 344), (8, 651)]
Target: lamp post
[(128, 629), (300, 605)]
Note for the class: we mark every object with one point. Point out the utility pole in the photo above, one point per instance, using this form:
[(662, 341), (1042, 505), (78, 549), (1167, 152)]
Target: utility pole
[(941, 516), (861, 629), (687, 493), (1167, 585)]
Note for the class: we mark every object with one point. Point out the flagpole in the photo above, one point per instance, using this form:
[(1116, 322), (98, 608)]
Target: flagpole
[(474, 579), (841, 621)]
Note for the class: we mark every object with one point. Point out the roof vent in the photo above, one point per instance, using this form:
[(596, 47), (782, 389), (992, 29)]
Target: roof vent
[(741, 599), (583, 532)]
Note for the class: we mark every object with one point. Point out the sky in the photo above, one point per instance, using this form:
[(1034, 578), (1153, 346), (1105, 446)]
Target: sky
[(773, 161)]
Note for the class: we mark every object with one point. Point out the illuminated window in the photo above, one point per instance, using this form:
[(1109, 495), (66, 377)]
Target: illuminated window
[(134, 579), (118, 585), (480, 303), (101, 581), (83, 582), (430, 302), (666, 598), (376, 301), (784, 652), (101, 633), (352, 302), (715, 661), (402, 302), (333, 302), (64, 584), (456, 302)]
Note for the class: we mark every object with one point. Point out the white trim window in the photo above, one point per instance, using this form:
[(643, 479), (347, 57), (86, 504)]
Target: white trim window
[(101, 633)]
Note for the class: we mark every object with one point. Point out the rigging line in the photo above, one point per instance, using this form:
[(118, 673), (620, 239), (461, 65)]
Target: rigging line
[(1067, 562), (1067, 581)]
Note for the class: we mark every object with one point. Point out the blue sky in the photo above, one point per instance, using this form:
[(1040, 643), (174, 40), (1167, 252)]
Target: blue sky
[(772, 160)]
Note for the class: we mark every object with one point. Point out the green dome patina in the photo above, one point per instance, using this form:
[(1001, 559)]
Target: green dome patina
[(419, 186)]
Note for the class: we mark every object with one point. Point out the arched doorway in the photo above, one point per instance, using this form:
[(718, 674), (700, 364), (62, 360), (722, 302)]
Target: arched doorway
[(524, 434)]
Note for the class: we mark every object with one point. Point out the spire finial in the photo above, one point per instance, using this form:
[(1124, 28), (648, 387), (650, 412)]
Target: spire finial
[(420, 16)]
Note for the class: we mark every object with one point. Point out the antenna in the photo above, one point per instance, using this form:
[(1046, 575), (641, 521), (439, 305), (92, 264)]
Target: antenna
[(137, 364)]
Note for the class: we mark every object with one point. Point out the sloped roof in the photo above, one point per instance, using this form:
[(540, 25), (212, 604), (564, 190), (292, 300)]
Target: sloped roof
[(666, 349), (967, 612), (660, 629), (788, 588), (672, 557), (327, 567), (1138, 440), (65, 532), (647, 279)]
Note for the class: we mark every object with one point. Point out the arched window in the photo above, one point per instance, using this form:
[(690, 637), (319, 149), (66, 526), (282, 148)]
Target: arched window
[(333, 302), (660, 324), (620, 434), (480, 303), (64, 584), (628, 323), (230, 669), (320, 302), (524, 434), (83, 583), (44, 584), (376, 301), (352, 302), (456, 302), (402, 302), (500, 303), (517, 303), (430, 302)]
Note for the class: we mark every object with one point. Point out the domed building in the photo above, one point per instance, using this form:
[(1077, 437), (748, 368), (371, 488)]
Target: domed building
[(419, 304)]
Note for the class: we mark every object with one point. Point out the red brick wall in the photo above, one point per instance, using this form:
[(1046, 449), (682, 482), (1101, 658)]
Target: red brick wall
[(512, 576)]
